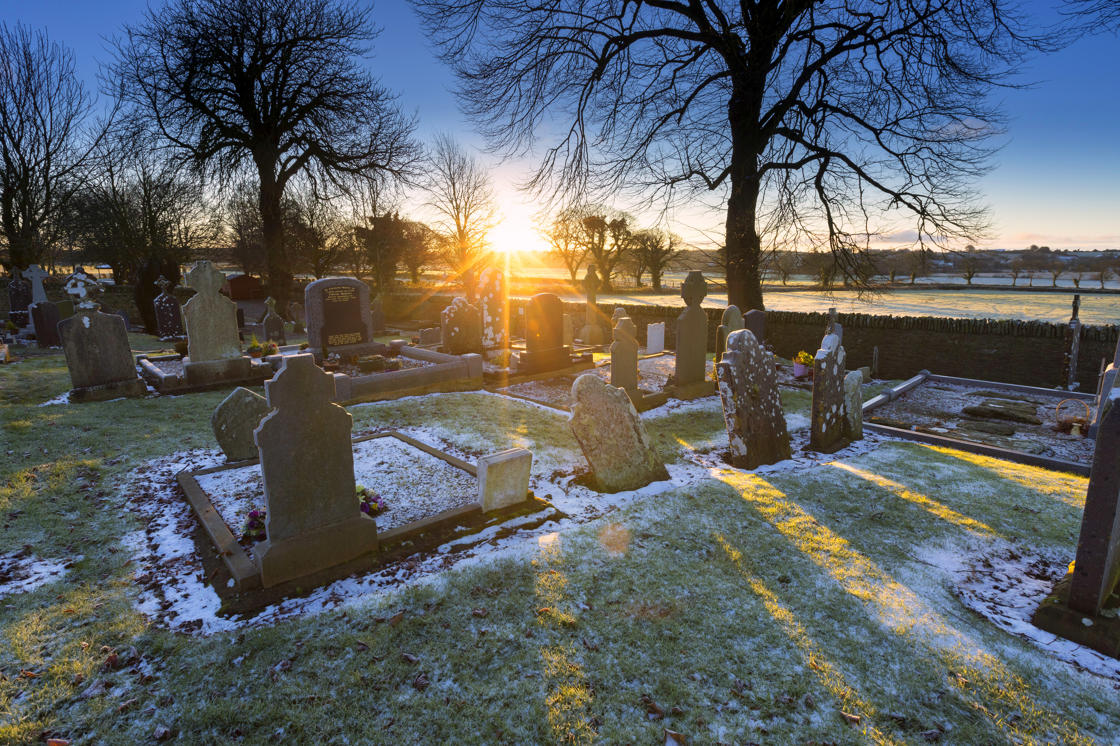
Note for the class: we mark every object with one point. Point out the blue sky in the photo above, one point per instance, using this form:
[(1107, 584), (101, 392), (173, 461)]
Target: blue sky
[(1057, 182)]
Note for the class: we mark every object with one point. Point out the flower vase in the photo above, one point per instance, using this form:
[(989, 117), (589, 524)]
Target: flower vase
[(800, 371)]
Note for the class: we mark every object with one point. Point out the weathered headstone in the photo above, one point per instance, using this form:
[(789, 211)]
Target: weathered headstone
[(44, 318), (338, 316), (755, 321), (853, 405), (731, 321), (655, 338), (97, 351), (1096, 569), (431, 335), (169, 315), (834, 326), (124, 317), (503, 478), (611, 435), (307, 460), (1105, 385), (544, 336), (65, 308), (1072, 344), (624, 355), (827, 426), (461, 326), (592, 333), (273, 324), (752, 405), (19, 299), (377, 315), (493, 298), (35, 275), (234, 421), (692, 337), (619, 312), (213, 344)]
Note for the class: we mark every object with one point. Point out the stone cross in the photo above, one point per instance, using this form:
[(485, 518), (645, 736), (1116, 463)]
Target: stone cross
[(612, 437), (307, 461), (169, 317), (1072, 345), (834, 326), (36, 274), (273, 324), (210, 317), (1096, 569), (731, 321), (752, 405), (80, 285), (624, 355), (19, 298), (828, 403), (165, 285), (692, 332)]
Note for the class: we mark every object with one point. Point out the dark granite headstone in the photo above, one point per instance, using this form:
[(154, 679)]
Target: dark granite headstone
[(754, 321), (1097, 567), (169, 316), (240, 318), (544, 336), (44, 317), (65, 308), (19, 299), (338, 314)]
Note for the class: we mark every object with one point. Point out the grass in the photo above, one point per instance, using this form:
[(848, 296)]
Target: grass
[(777, 607)]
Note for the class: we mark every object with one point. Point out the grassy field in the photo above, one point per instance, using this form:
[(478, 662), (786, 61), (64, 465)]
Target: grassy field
[(815, 601)]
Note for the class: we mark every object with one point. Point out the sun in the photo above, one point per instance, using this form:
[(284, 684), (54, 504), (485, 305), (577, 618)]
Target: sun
[(516, 231)]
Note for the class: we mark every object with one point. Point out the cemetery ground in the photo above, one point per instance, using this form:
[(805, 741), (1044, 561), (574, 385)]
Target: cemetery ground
[(880, 594)]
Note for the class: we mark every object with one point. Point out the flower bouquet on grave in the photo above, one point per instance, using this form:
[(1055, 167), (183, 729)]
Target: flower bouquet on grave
[(368, 502), (270, 348), (802, 364), (255, 349), (254, 526)]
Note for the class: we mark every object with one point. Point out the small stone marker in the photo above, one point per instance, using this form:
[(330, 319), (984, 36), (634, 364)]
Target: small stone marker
[(461, 328), (692, 333), (731, 321), (97, 351), (431, 335), (592, 333), (19, 299), (44, 318), (655, 338), (853, 405), (35, 275), (307, 461), (624, 355), (1072, 347), (234, 421), (494, 300), (752, 405), (213, 343), (338, 316), (828, 405), (1096, 569), (612, 437), (544, 336), (169, 315), (273, 324), (755, 321), (503, 478)]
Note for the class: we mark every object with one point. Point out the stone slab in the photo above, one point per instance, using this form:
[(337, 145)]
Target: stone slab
[(503, 478)]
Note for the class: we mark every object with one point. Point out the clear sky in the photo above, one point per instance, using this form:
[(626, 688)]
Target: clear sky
[(1057, 182)]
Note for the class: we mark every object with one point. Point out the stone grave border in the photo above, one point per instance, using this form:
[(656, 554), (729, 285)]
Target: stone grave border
[(981, 449), (645, 401), (394, 543), (448, 373), (170, 383)]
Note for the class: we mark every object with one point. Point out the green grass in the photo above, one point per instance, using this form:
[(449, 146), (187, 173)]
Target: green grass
[(744, 607)]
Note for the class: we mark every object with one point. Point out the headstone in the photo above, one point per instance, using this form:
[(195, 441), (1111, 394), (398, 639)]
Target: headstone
[(612, 437), (213, 343), (1071, 347), (752, 405), (503, 478), (569, 329), (44, 317), (461, 327), (65, 308), (377, 316), (431, 336), (98, 356), (592, 333), (655, 338), (240, 315), (619, 312), (273, 324), (83, 287), (692, 332), (338, 315), (1096, 569), (313, 521), (853, 405), (875, 361), (19, 299), (544, 336), (234, 421), (35, 275), (124, 317), (834, 326), (493, 298), (624, 355), (731, 321), (169, 315), (298, 316), (827, 433), (755, 321)]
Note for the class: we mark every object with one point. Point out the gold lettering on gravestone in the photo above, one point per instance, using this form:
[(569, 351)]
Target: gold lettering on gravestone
[(350, 338), (340, 294)]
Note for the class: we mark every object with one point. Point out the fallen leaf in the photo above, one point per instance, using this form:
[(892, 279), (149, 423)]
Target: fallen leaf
[(25, 674), (420, 682), (409, 658), (653, 710), (162, 733), (480, 613), (931, 735), (672, 738), (57, 742), (126, 704), (852, 719)]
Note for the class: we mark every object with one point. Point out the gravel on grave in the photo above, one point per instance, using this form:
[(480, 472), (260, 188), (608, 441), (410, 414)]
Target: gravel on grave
[(415, 485), (407, 363), (938, 408)]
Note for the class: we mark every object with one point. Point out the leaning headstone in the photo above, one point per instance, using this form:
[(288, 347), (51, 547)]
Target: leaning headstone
[(752, 405), (1096, 569), (731, 321), (612, 437), (461, 327), (544, 336), (169, 314), (493, 298), (213, 343), (827, 433), (624, 355), (19, 299), (234, 421), (655, 338), (692, 337), (97, 351), (755, 321), (853, 405), (1072, 344), (503, 478), (44, 317), (313, 521), (338, 316), (273, 324), (592, 333), (35, 275)]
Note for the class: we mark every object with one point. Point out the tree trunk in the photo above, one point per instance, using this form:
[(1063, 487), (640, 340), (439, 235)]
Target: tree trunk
[(279, 272), (655, 280), (744, 246)]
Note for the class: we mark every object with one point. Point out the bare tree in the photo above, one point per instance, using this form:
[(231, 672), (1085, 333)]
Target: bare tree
[(317, 237), (462, 196), (1016, 269), (382, 239), (44, 143), (563, 238), (822, 116), (606, 238), (420, 248), (970, 264), (275, 88), (657, 250)]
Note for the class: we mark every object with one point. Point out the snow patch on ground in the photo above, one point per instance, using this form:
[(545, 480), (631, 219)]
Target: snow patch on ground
[(60, 399), (22, 572)]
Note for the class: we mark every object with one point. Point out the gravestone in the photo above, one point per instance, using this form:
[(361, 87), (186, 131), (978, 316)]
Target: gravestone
[(213, 343), (44, 317), (1072, 344), (298, 316), (611, 435), (35, 275), (234, 421), (19, 299), (569, 329), (65, 308), (592, 333), (1096, 569), (503, 478), (755, 321), (619, 313), (377, 316), (338, 316), (432, 335), (655, 338), (752, 405), (124, 317), (731, 321), (1104, 389), (493, 299), (833, 326), (240, 316), (624, 355), (273, 324), (853, 405), (97, 351), (169, 315), (827, 434), (461, 327), (313, 521), (544, 336), (692, 339)]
